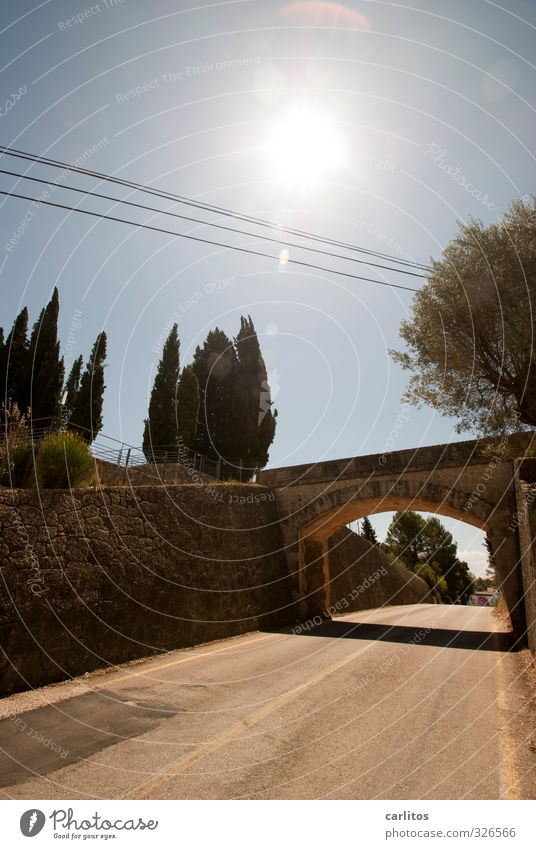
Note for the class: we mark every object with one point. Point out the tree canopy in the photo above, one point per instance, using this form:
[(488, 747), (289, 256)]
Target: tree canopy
[(160, 429), (86, 415), (426, 548), (45, 365), (367, 531), (470, 342)]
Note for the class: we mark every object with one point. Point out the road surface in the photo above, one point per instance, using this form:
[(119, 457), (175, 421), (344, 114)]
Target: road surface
[(414, 702)]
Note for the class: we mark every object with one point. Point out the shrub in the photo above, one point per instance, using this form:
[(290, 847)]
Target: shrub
[(15, 447), (63, 461)]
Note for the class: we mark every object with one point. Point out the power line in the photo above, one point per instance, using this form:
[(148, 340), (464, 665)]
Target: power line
[(92, 193), (118, 220), (206, 207)]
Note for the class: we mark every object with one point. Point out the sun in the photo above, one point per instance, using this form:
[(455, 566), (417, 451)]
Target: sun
[(304, 147)]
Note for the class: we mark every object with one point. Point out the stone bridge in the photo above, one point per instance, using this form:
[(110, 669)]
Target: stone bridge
[(463, 480)]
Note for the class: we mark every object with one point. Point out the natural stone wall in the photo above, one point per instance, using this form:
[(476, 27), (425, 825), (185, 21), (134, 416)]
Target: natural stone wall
[(363, 576), (147, 474), (101, 576), (525, 520)]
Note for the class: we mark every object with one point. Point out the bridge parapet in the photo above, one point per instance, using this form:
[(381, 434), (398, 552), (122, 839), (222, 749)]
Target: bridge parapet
[(452, 454)]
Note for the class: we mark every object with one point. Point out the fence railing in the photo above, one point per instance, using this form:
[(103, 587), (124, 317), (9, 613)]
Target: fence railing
[(118, 453)]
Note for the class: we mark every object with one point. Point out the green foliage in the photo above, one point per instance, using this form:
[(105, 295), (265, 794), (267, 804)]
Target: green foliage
[(15, 384), (425, 547), (86, 414), (160, 430), (367, 531), (45, 365), (15, 448), (254, 418), (72, 385), (471, 339), (63, 460), (214, 366), (187, 406)]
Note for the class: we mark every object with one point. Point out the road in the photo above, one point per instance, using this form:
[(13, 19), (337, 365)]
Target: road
[(415, 702)]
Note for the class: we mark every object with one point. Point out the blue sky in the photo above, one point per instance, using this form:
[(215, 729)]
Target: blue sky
[(184, 96)]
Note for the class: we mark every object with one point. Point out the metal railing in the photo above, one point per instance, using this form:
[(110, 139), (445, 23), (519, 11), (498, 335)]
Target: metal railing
[(116, 452)]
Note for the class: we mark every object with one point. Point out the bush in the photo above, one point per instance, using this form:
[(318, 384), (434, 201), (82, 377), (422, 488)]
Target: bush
[(63, 461), (15, 447), (15, 469)]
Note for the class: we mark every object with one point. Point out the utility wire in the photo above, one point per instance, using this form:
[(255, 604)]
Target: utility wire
[(301, 263), (117, 200), (19, 154)]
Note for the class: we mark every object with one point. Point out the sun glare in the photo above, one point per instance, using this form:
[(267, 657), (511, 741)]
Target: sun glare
[(303, 148)]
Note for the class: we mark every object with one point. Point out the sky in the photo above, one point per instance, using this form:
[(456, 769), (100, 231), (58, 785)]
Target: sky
[(381, 124)]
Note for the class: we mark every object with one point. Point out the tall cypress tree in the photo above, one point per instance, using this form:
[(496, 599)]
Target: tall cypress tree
[(255, 418), (45, 365), (2, 368), (15, 363), (86, 417), (160, 430), (214, 366), (187, 406), (72, 385)]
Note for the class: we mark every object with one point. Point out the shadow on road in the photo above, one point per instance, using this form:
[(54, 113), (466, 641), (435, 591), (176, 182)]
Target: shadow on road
[(421, 635)]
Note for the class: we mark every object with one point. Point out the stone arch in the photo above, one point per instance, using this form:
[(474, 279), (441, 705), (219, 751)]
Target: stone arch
[(340, 505), (322, 510)]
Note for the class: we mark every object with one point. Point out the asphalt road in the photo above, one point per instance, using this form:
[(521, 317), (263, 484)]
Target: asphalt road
[(411, 702)]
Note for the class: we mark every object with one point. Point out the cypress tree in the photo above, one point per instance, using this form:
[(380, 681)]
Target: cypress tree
[(187, 406), (86, 417), (214, 366), (367, 531), (160, 429), (45, 365), (2, 369), (72, 386), (15, 363), (255, 419)]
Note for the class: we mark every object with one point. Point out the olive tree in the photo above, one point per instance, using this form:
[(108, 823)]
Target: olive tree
[(471, 339)]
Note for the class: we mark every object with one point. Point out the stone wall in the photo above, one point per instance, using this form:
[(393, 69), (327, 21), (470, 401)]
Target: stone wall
[(525, 520), (363, 576), (147, 474), (102, 576), (96, 577)]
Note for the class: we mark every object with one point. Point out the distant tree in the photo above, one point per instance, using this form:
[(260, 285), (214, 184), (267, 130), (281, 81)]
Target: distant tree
[(45, 365), (404, 538), (160, 430), (86, 416), (367, 531), (15, 364), (72, 385), (471, 339), (214, 366), (491, 572), (426, 547), (187, 406), (480, 584), (255, 418)]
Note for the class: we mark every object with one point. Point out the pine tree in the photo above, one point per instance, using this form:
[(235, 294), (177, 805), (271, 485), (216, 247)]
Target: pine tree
[(214, 366), (86, 417), (72, 386), (160, 430), (255, 420), (367, 531), (187, 406), (45, 365), (15, 364)]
